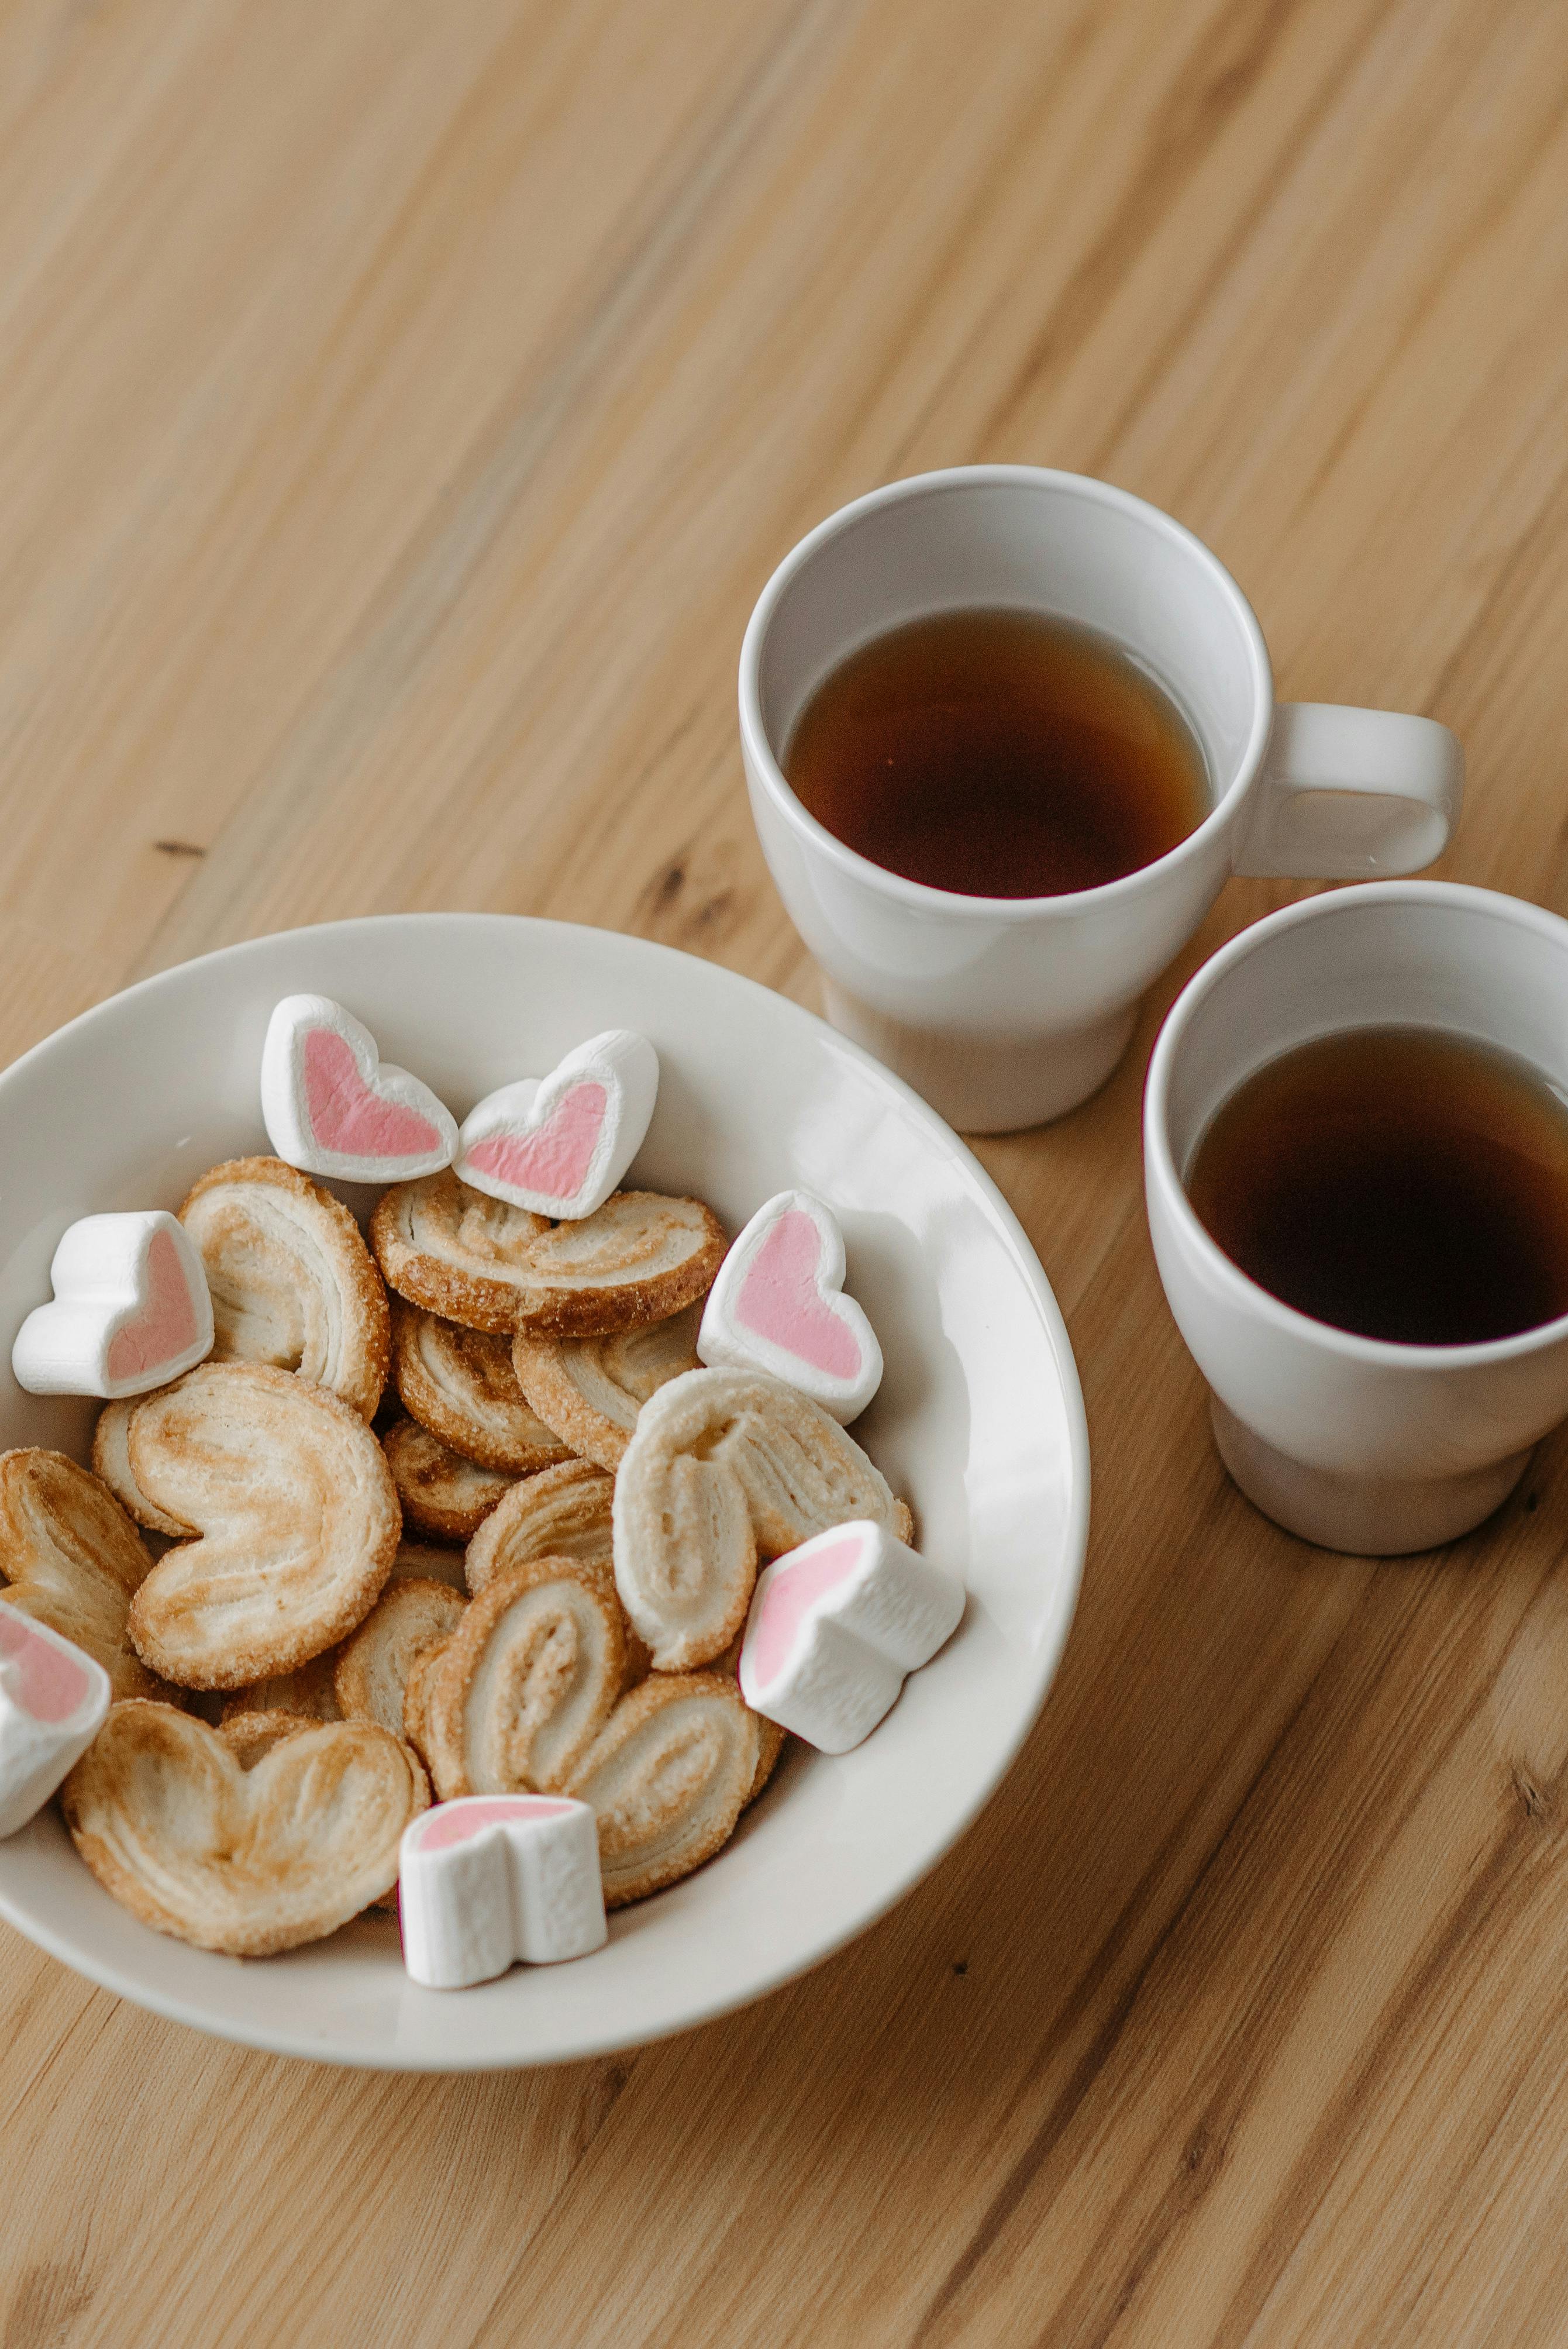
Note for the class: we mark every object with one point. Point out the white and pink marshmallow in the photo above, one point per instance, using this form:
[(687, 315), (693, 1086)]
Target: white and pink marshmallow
[(778, 1306), (332, 1106), (130, 1310), (53, 1701), (560, 1144), (836, 1627), (488, 1879)]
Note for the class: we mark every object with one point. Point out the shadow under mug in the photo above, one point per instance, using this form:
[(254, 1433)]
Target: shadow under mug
[(1005, 1011), (1354, 1442)]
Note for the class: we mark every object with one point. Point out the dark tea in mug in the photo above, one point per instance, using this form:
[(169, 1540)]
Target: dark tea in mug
[(998, 754), (1401, 1182)]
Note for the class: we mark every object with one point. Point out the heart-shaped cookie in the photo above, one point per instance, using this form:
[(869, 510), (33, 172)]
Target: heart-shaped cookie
[(560, 1144), (496, 1877), (562, 1512), (667, 1778), (291, 1279), (461, 1385), (639, 1257), (71, 1557), (374, 1662), (130, 1310), (442, 1494), (525, 1683), (332, 1106), (590, 1390), (778, 1306), (246, 1860), (725, 1467), (297, 1513)]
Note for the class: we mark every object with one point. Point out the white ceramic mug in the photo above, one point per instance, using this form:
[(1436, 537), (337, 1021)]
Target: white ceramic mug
[(1353, 1442), (1005, 1011)]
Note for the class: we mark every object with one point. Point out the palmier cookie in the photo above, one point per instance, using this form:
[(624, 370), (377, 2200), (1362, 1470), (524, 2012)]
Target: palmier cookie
[(309, 1693), (460, 1384), (639, 1257), (668, 1776), (560, 1512), (372, 1664), (111, 1463), (245, 1859), (725, 1468), (590, 1390), (770, 1736), (531, 1675), (297, 1513), (292, 1282), (70, 1558), (442, 1494)]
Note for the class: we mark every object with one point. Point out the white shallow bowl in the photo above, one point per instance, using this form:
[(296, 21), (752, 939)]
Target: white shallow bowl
[(979, 1423)]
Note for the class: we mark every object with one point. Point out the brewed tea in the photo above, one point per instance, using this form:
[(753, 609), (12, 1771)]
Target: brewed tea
[(999, 754), (1402, 1182)]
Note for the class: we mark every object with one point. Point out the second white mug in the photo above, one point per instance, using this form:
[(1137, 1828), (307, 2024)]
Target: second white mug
[(1005, 1011)]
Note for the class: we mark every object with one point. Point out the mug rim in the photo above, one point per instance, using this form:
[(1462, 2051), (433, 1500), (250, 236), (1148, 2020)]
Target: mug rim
[(1160, 1163), (959, 904)]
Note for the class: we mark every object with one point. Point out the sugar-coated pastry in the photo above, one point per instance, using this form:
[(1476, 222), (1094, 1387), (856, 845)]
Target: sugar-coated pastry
[(251, 1736), (308, 1693), (460, 1384), (429, 1561), (442, 1494), (129, 1312), (333, 1107), (374, 1662), (526, 1681), (770, 1734), (560, 1144), (834, 1628), (560, 1512), (111, 1463), (297, 1514), (244, 1859), (292, 1280), (778, 1305), (667, 1777), (726, 1467), (590, 1390), (472, 1258), (498, 1877), (53, 1699), (71, 1557)]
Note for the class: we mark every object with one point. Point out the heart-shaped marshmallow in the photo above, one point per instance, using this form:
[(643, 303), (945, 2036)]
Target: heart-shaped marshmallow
[(333, 1107), (52, 1700), (835, 1626), (778, 1305), (560, 1144), (493, 1877), (130, 1310)]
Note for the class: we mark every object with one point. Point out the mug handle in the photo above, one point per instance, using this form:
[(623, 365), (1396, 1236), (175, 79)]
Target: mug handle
[(1345, 794)]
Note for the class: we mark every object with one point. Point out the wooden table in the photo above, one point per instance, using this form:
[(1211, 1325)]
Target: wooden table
[(400, 408)]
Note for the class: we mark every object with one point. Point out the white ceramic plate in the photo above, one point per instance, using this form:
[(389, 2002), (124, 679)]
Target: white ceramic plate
[(979, 1423)]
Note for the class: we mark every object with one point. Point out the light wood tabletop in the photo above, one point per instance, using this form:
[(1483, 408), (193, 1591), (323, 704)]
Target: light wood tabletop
[(400, 409)]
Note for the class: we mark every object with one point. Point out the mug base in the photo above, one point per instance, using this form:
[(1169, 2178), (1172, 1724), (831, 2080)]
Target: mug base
[(1365, 1516), (988, 1084)]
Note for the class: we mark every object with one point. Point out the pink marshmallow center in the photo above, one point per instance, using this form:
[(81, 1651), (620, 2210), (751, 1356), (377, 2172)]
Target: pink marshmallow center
[(347, 1116), (452, 1823), (48, 1685), (166, 1324), (554, 1159), (789, 1598), (780, 1301)]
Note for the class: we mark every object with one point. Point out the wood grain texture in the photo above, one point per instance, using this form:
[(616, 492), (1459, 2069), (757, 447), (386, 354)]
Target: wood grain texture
[(399, 410)]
